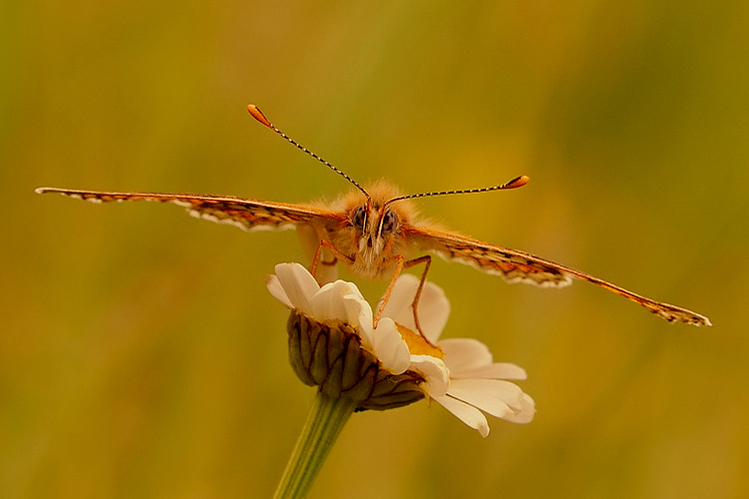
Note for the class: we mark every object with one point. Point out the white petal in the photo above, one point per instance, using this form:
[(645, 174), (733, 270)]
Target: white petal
[(525, 413), (298, 284), (435, 372), (359, 314), (275, 288), (389, 347), (433, 307), (466, 413), (327, 304), (498, 398), (341, 300), (498, 370), (507, 392), (462, 354)]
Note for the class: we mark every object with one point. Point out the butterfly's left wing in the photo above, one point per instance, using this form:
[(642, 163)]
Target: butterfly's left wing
[(247, 214), (519, 266), (512, 265)]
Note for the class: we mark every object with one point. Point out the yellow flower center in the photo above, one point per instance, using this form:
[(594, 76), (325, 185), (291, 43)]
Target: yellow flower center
[(417, 344)]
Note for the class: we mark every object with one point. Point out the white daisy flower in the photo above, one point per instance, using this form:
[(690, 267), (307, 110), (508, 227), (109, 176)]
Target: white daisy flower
[(394, 366)]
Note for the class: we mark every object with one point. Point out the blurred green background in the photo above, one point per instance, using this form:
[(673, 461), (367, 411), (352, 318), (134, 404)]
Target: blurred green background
[(141, 355)]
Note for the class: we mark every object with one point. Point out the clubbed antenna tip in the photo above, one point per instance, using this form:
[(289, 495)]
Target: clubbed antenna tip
[(258, 115)]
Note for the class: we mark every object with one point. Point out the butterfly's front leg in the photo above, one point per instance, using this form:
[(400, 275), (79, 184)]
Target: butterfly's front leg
[(310, 237), (399, 261), (317, 259), (400, 264)]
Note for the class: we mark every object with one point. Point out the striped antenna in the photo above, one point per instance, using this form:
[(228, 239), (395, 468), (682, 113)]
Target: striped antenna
[(512, 184), (259, 116)]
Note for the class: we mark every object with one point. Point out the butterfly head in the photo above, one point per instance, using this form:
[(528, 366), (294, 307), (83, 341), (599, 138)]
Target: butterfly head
[(371, 232), (374, 226)]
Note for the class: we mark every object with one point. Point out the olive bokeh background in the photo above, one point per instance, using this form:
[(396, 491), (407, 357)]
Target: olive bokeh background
[(140, 355)]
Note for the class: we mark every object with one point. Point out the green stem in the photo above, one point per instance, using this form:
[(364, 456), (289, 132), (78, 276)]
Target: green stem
[(324, 424)]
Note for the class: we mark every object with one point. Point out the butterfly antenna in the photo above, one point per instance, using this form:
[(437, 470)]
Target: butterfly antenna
[(512, 184), (258, 115)]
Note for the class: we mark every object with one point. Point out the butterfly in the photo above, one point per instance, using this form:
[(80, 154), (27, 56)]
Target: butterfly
[(376, 231)]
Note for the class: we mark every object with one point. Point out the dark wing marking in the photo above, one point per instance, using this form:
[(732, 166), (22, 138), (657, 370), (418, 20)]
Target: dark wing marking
[(512, 265), (247, 214), (519, 266)]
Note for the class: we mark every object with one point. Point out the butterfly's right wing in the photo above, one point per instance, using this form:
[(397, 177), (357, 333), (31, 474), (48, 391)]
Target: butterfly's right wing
[(247, 214)]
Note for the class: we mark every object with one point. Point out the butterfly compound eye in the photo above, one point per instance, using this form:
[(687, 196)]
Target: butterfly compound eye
[(359, 217), (388, 223)]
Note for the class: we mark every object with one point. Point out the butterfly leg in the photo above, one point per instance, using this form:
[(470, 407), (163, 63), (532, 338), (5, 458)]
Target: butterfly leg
[(427, 261), (400, 265), (399, 262), (317, 259)]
